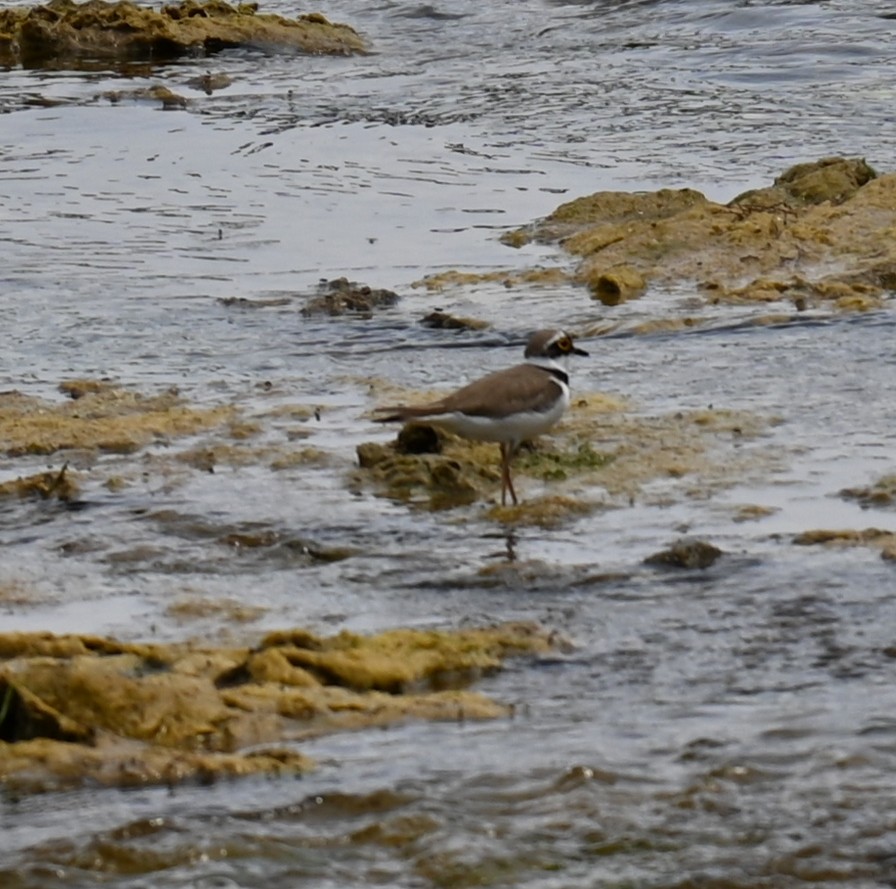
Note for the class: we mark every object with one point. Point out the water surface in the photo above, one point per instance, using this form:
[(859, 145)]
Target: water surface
[(727, 728)]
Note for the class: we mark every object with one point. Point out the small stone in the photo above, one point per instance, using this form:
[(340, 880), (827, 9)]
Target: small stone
[(686, 554)]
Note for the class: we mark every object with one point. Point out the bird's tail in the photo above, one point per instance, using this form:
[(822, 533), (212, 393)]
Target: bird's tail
[(403, 413)]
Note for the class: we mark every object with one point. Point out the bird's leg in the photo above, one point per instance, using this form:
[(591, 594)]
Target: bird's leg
[(507, 450)]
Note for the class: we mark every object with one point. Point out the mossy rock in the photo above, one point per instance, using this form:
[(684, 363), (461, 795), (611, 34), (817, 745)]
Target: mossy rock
[(80, 708), (63, 31)]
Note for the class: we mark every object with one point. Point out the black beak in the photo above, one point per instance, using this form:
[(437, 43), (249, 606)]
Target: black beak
[(577, 351)]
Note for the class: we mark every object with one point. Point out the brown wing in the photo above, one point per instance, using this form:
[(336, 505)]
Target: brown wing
[(520, 388), (524, 387)]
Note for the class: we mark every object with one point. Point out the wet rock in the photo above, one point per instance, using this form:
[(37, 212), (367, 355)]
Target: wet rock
[(170, 101), (167, 97), (441, 471), (542, 512), (251, 539), (686, 554), (435, 480), (535, 575), (100, 418), (403, 660), (817, 237), (553, 464), (832, 179), (752, 512), (241, 302), (617, 285), (881, 494), (372, 454), (343, 297), (440, 320), (417, 438), (76, 389), (77, 708), (600, 455), (207, 457), (597, 220), (234, 611), (44, 485), (885, 541), (62, 31), (210, 83), (848, 536), (506, 277)]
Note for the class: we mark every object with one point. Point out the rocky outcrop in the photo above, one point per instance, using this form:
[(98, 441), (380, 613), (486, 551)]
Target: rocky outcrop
[(820, 235), (89, 708), (62, 32)]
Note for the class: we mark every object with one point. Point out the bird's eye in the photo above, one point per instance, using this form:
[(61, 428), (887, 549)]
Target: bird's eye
[(565, 344)]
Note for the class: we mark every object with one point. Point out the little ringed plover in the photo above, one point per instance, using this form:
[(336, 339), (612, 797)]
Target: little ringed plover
[(507, 406)]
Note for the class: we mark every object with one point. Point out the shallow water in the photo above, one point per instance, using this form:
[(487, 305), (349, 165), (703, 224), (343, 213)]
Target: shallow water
[(731, 727)]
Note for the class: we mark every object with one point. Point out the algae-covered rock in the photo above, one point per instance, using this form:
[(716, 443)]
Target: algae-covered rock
[(885, 541), (832, 179), (76, 708), (508, 278), (880, 494), (44, 485), (605, 215), (98, 418), (542, 512), (440, 320), (824, 234), (343, 297), (686, 554), (436, 480), (399, 660), (616, 285), (602, 455), (64, 31)]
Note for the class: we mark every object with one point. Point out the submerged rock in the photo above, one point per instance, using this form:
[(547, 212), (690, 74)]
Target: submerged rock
[(99, 417), (881, 494), (63, 31), (343, 297), (81, 708), (877, 538), (50, 485), (686, 554), (439, 320)]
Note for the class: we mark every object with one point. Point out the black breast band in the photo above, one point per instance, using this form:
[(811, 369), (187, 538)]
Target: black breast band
[(558, 374)]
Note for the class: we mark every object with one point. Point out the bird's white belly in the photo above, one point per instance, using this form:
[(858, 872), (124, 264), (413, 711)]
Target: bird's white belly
[(513, 428)]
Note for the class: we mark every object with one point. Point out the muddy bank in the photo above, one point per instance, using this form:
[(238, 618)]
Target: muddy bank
[(76, 708), (822, 235), (62, 32)]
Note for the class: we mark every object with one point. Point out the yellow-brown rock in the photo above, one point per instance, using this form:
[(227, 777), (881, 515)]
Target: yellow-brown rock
[(876, 538), (600, 455), (61, 31), (44, 485), (823, 234), (75, 708), (832, 179), (101, 418), (616, 285)]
